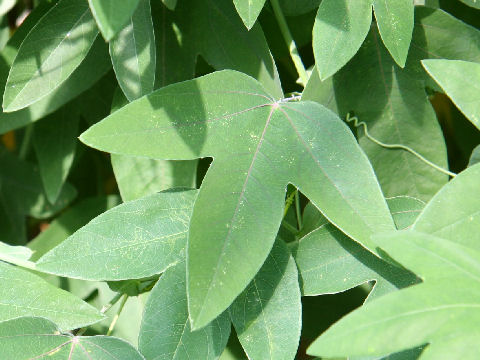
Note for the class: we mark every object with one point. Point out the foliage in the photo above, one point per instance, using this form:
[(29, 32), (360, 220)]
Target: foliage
[(226, 179)]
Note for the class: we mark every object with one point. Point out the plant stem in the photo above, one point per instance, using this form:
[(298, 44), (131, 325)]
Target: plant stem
[(112, 302), (117, 315), (27, 138), (357, 123), (298, 210), (287, 36)]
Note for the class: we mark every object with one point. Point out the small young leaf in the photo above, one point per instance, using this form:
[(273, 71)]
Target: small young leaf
[(166, 333), (267, 315), (55, 139), (133, 53), (112, 15), (29, 295), (339, 31), (461, 82), (249, 10), (395, 23), (255, 141), (29, 338), (50, 53), (153, 229)]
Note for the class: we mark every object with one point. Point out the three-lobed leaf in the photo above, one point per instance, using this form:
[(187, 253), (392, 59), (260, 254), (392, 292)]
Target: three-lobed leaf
[(259, 145)]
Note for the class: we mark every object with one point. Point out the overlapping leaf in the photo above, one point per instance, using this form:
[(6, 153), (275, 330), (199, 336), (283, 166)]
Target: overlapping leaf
[(393, 102), (267, 315), (259, 146), (109, 247), (329, 262), (50, 53), (166, 332), (461, 82), (112, 15), (424, 313), (30, 338), (55, 142), (223, 42), (29, 295), (133, 53)]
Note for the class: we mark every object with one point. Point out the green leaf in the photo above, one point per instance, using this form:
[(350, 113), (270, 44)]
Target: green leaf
[(165, 332), (405, 210), (424, 313), (95, 65), (22, 188), (249, 10), (395, 23), (30, 338), (69, 222), (138, 177), (170, 4), (50, 53), (267, 316), (6, 6), (212, 29), (255, 141), (55, 140), (112, 15), (15, 252), (153, 229), (461, 82), (133, 53), (384, 96), (454, 213), (472, 3), (475, 157), (339, 31), (329, 262), (298, 7), (29, 295)]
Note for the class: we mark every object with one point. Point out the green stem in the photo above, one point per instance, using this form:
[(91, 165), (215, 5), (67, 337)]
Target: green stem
[(27, 139), (298, 210), (117, 315), (357, 123), (287, 36), (112, 302), (288, 202)]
